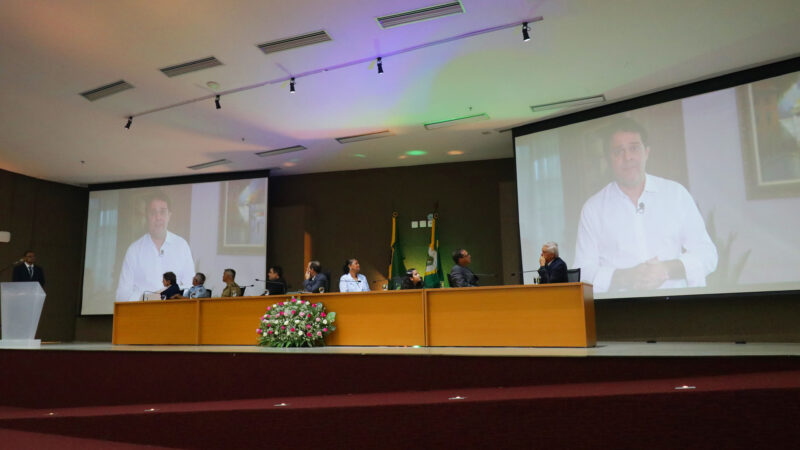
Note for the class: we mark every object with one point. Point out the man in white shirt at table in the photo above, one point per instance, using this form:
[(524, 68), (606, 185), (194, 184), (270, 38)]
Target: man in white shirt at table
[(641, 232), (158, 251)]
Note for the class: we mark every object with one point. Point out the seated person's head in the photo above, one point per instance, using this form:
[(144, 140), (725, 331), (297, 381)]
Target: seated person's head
[(413, 276), (228, 275), (461, 257), (199, 279), (549, 251), (351, 266), (170, 279), (275, 273), (315, 268)]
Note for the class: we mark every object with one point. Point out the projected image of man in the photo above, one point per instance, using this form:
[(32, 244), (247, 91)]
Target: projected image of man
[(641, 232), (158, 251)]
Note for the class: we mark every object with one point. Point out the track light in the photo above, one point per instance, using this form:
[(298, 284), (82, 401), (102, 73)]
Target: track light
[(380, 65), (216, 102), (130, 122), (525, 36), (291, 86)]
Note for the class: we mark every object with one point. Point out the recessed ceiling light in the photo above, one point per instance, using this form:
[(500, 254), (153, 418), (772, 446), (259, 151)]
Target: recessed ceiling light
[(402, 157), (213, 85), (280, 151), (289, 164), (455, 152), (416, 153)]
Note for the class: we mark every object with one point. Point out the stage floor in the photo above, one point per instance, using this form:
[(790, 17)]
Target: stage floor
[(603, 349)]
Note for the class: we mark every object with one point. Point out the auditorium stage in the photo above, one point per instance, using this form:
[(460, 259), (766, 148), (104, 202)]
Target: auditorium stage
[(607, 349), (615, 395)]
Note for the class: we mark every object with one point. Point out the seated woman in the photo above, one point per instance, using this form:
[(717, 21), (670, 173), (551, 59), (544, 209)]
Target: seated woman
[(171, 285), (412, 280), (352, 280)]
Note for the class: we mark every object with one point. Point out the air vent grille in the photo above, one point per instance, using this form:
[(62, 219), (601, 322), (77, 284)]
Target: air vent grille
[(191, 66), (421, 14), (365, 136), (294, 42), (570, 103), (280, 151), (105, 91), (218, 162)]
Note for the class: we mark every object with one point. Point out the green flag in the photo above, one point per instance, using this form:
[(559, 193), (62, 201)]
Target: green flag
[(397, 266), (434, 277)]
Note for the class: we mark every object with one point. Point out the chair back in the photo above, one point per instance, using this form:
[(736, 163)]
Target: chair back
[(208, 293), (242, 288), (450, 280), (574, 275)]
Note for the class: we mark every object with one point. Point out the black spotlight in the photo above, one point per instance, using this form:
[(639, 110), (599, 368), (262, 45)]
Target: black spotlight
[(291, 86), (130, 122), (216, 102), (525, 36), (380, 65)]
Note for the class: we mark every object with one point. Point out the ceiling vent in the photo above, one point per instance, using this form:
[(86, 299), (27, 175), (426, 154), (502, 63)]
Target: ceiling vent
[(574, 103), (191, 66), (105, 91), (365, 136), (280, 151), (218, 162), (294, 42), (458, 121), (421, 14)]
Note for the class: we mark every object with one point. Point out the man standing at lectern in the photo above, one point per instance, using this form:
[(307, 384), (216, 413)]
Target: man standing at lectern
[(158, 251), (28, 271)]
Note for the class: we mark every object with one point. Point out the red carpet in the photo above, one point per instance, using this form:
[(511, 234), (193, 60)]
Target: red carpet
[(602, 402)]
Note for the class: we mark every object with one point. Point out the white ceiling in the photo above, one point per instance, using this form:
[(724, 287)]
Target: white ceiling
[(50, 51)]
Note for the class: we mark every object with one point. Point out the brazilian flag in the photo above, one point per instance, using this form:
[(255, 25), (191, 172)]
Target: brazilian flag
[(397, 266), (434, 277)]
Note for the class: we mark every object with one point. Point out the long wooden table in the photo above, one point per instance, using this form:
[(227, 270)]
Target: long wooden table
[(556, 315)]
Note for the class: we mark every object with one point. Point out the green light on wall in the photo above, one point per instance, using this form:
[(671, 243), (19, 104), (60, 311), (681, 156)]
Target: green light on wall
[(416, 153), (359, 155)]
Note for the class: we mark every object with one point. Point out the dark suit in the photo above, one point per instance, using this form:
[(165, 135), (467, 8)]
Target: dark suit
[(313, 284), (21, 274), (461, 276), (170, 291), (408, 283), (555, 272)]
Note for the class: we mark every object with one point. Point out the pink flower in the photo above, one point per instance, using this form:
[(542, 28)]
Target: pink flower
[(258, 330), (308, 334), (269, 307), (292, 330), (323, 314), (308, 326), (309, 315), (269, 332), (281, 303), (269, 325), (294, 312), (283, 327), (281, 313), (294, 300), (319, 333), (325, 330), (267, 316)]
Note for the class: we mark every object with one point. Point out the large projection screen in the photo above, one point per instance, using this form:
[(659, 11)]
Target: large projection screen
[(702, 198), (135, 235)]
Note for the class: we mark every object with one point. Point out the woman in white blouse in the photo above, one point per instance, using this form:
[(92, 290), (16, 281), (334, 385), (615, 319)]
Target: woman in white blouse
[(352, 280)]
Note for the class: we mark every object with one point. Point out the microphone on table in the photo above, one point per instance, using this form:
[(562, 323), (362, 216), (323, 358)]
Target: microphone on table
[(513, 274)]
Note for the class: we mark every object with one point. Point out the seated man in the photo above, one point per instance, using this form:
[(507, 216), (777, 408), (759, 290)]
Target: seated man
[(460, 275), (231, 288), (197, 290), (315, 279), (275, 284), (552, 268)]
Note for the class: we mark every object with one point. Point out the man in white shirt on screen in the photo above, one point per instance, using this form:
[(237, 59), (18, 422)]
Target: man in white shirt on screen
[(641, 232), (158, 251)]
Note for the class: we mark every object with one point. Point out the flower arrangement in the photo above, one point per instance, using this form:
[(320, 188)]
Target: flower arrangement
[(295, 323)]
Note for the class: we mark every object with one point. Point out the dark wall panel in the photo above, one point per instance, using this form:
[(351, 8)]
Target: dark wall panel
[(48, 218)]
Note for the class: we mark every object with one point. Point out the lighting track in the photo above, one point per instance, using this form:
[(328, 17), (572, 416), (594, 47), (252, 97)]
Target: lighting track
[(344, 65)]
